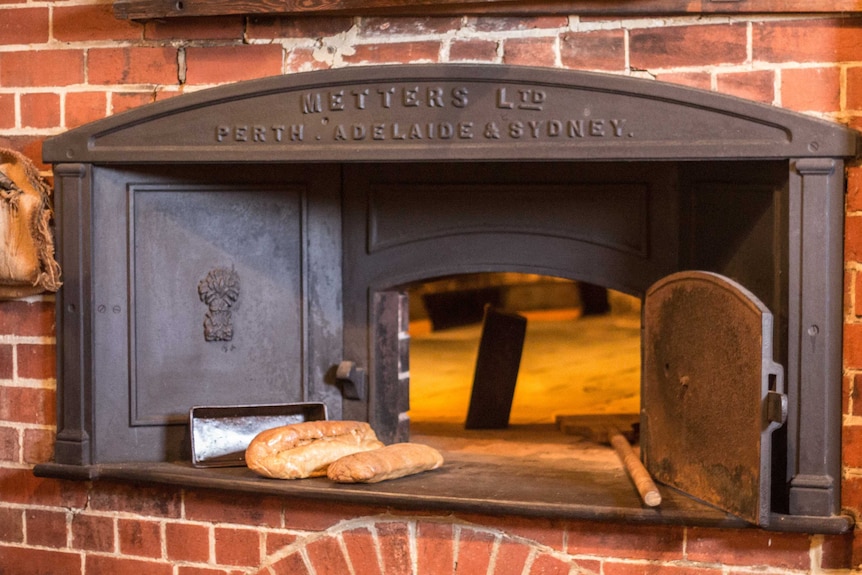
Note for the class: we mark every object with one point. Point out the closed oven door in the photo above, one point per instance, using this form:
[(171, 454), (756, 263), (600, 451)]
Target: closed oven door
[(214, 286)]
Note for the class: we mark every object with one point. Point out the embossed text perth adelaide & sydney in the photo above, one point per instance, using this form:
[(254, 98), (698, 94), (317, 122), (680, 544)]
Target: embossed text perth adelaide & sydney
[(392, 113)]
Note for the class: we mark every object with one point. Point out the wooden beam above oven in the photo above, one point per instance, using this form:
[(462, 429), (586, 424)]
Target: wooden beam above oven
[(147, 9)]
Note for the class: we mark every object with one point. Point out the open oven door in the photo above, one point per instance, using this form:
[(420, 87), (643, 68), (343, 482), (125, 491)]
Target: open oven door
[(712, 393)]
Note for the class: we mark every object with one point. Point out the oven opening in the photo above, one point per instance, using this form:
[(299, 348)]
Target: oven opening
[(580, 355)]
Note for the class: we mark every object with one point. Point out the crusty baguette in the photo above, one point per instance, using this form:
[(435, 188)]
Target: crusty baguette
[(306, 449), (397, 460)]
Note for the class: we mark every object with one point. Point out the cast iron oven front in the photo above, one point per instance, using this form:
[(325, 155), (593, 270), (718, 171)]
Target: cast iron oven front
[(236, 245)]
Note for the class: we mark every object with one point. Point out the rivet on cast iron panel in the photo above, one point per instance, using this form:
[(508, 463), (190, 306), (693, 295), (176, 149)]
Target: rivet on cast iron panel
[(101, 308), (70, 153), (813, 146), (116, 309), (70, 308), (813, 330)]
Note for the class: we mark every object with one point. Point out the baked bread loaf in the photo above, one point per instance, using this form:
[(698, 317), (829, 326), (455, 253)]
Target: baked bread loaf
[(306, 449), (396, 460)]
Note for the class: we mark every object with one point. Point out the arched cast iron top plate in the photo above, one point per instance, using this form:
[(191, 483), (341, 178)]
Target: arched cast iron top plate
[(707, 372)]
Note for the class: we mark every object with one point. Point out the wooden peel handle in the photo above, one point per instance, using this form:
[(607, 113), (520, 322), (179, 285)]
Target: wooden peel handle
[(640, 476)]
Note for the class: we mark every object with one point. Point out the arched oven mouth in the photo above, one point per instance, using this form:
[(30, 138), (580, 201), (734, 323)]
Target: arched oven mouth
[(237, 246)]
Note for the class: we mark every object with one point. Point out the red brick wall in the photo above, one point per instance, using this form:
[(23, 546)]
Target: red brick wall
[(67, 62)]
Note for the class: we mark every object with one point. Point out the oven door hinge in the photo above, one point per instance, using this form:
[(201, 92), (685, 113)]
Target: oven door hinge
[(351, 379)]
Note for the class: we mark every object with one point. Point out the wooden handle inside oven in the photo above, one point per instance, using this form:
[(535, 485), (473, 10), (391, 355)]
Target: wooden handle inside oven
[(637, 472)]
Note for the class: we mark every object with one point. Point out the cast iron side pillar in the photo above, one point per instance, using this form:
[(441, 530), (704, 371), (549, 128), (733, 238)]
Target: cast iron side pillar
[(74, 326), (816, 222)]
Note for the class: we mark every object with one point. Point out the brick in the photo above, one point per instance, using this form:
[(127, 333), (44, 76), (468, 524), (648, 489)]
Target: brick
[(362, 551), (24, 25), (517, 24), (20, 486), (34, 68), (40, 110), (758, 85), (278, 540), (38, 446), (394, 541), (11, 525), (302, 60), (150, 501), (474, 551), (28, 319), (699, 80), (293, 564), (308, 515), (749, 548), (7, 111), (435, 553), (530, 51), (326, 557), (139, 538), (473, 50), (187, 542), (853, 237), (854, 88), (222, 64), (837, 552), (86, 22), (93, 532), (266, 27), (675, 46), (853, 346), (811, 89), (550, 565), (600, 50), (547, 532), (37, 361), (245, 509), (29, 561), (851, 493), (395, 52), (84, 107), (856, 394), (124, 101), (28, 405), (386, 27), (511, 557), (807, 40), (108, 564), (46, 528), (10, 447), (7, 361), (132, 66), (185, 29), (851, 445), (612, 568), (239, 547), (657, 543)]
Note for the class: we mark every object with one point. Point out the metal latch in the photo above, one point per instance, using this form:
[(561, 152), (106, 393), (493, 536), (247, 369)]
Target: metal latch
[(352, 380), (776, 401), (776, 407)]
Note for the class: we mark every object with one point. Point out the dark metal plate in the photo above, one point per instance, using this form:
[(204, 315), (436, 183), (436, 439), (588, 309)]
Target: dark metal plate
[(220, 435), (708, 379)]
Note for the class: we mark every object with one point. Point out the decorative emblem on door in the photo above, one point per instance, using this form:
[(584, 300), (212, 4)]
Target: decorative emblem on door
[(219, 291)]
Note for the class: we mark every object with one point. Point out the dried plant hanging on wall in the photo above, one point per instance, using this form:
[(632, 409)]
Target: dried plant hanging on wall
[(27, 264)]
